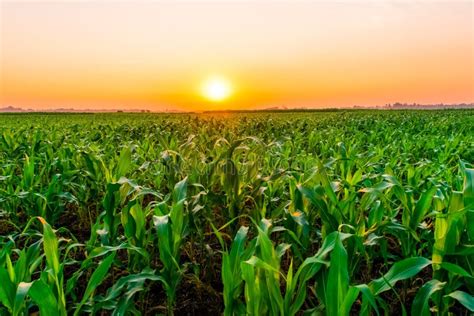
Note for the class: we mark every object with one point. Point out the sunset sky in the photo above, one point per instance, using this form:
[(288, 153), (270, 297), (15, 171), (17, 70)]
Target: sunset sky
[(157, 55)]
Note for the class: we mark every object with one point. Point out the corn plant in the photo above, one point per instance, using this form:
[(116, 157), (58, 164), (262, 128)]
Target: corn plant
[(170, 224)]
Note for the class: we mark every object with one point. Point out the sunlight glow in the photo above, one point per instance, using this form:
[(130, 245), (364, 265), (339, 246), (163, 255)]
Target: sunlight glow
[(216, 89)]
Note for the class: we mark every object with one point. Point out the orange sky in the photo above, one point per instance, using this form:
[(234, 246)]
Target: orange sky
[(155, 55)]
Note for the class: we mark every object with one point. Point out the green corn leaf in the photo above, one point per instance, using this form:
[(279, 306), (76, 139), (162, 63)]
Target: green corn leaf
[(103, 250), (127, 221), (401, 270), (463, 250), (296, 293), (422, 207), (338, 280), (296, 197), (351, 296), (465, 299), (127, 287), (124, 163), (21, 268), (139, 219), (50, 246), (368, 299), (162, 225), (456, 269), (322, 208), (134, 278), (179, 192), (96, 279), (268, 260), (259, 263), (468, 194), (468, 190), (253, 296), (326, 184), (448, 229), (11, 269), (290, 285), (231, 179), (420, 305), (231, 272), (41, 293), (21, 292), (7, 290)]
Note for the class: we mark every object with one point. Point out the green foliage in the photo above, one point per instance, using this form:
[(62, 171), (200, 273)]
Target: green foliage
[(304, 213)]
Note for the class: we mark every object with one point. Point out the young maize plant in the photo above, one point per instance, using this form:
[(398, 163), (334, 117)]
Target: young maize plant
[(47, 291), (16, 278), (232, 273), (50, 288), (258, 267), (170, 224), (451, 267)]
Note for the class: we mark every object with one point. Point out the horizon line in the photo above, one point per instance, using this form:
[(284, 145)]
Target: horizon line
[(282, 108)]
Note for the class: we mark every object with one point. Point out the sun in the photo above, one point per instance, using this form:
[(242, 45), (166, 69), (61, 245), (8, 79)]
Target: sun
[(216, 89)]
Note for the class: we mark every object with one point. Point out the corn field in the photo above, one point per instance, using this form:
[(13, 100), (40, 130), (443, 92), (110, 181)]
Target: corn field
[(294, 213)]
